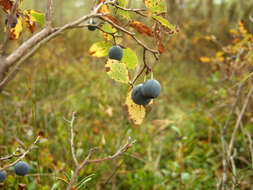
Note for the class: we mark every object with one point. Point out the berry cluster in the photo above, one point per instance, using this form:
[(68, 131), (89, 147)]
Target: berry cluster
[(143, 93), (21, 169)]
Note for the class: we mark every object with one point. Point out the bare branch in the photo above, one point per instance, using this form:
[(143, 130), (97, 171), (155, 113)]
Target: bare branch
[(120, 151), (223, 183), (22, 156), (48, 14), (72, 139), (231, 144), (234, 180), (250, 146), (137, 11), (35, 42)]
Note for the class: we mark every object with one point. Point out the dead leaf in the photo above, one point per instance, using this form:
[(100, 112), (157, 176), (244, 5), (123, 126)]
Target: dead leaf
[(6, 5), (141, 28)]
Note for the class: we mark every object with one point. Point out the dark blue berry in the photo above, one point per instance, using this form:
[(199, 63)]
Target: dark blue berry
[(151, 88), (116, 52), (138, 97), (21, 168), (3, 175)]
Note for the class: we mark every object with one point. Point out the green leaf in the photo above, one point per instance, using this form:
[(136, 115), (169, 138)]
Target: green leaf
[(99, 49), (123, 3), (117, 71), (130, 58), (124, 14), (83, 182), (37, 17), (156, 6), (164, 22), (108, 28)]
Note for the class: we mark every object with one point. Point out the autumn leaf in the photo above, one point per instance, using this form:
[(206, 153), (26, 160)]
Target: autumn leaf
[(16, 32), (205, 59), (156, 6), (6, 5), (165, 22), (108, 29), (103, 8), (32, 16), (135, 112), (30, 25), (160, 46), (117, 71), (99, 49), (141, 28)]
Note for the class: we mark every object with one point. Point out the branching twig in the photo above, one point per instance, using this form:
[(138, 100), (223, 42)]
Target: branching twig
[(137, 11), (131, 34), (223, 141), (22, 155), (234, 179), (231, 144), (37, 40), (120, 151)]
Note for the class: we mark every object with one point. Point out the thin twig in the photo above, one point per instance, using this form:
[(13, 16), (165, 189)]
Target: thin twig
[(131, 34), (231, 144), (223, 183), (145, 67), (72, 138), (48, 14), (137, 11), (250, 146), (22, 156), (234, 178), (120, 151)]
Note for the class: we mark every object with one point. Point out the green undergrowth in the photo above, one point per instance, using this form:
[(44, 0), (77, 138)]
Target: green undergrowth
[(177, 146)]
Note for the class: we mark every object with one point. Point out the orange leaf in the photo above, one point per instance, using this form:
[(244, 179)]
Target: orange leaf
[(141, 28), (6, 5), (113, 19), (205, 59), (160, 46), (30, 25), (103, 8)]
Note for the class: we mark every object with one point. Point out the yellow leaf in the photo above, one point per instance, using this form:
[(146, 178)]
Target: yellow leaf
[(15, 32), (205, 59), (135, 112)]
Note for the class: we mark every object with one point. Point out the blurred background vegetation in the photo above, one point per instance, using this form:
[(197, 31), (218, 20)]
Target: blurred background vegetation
[(178, 145)]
